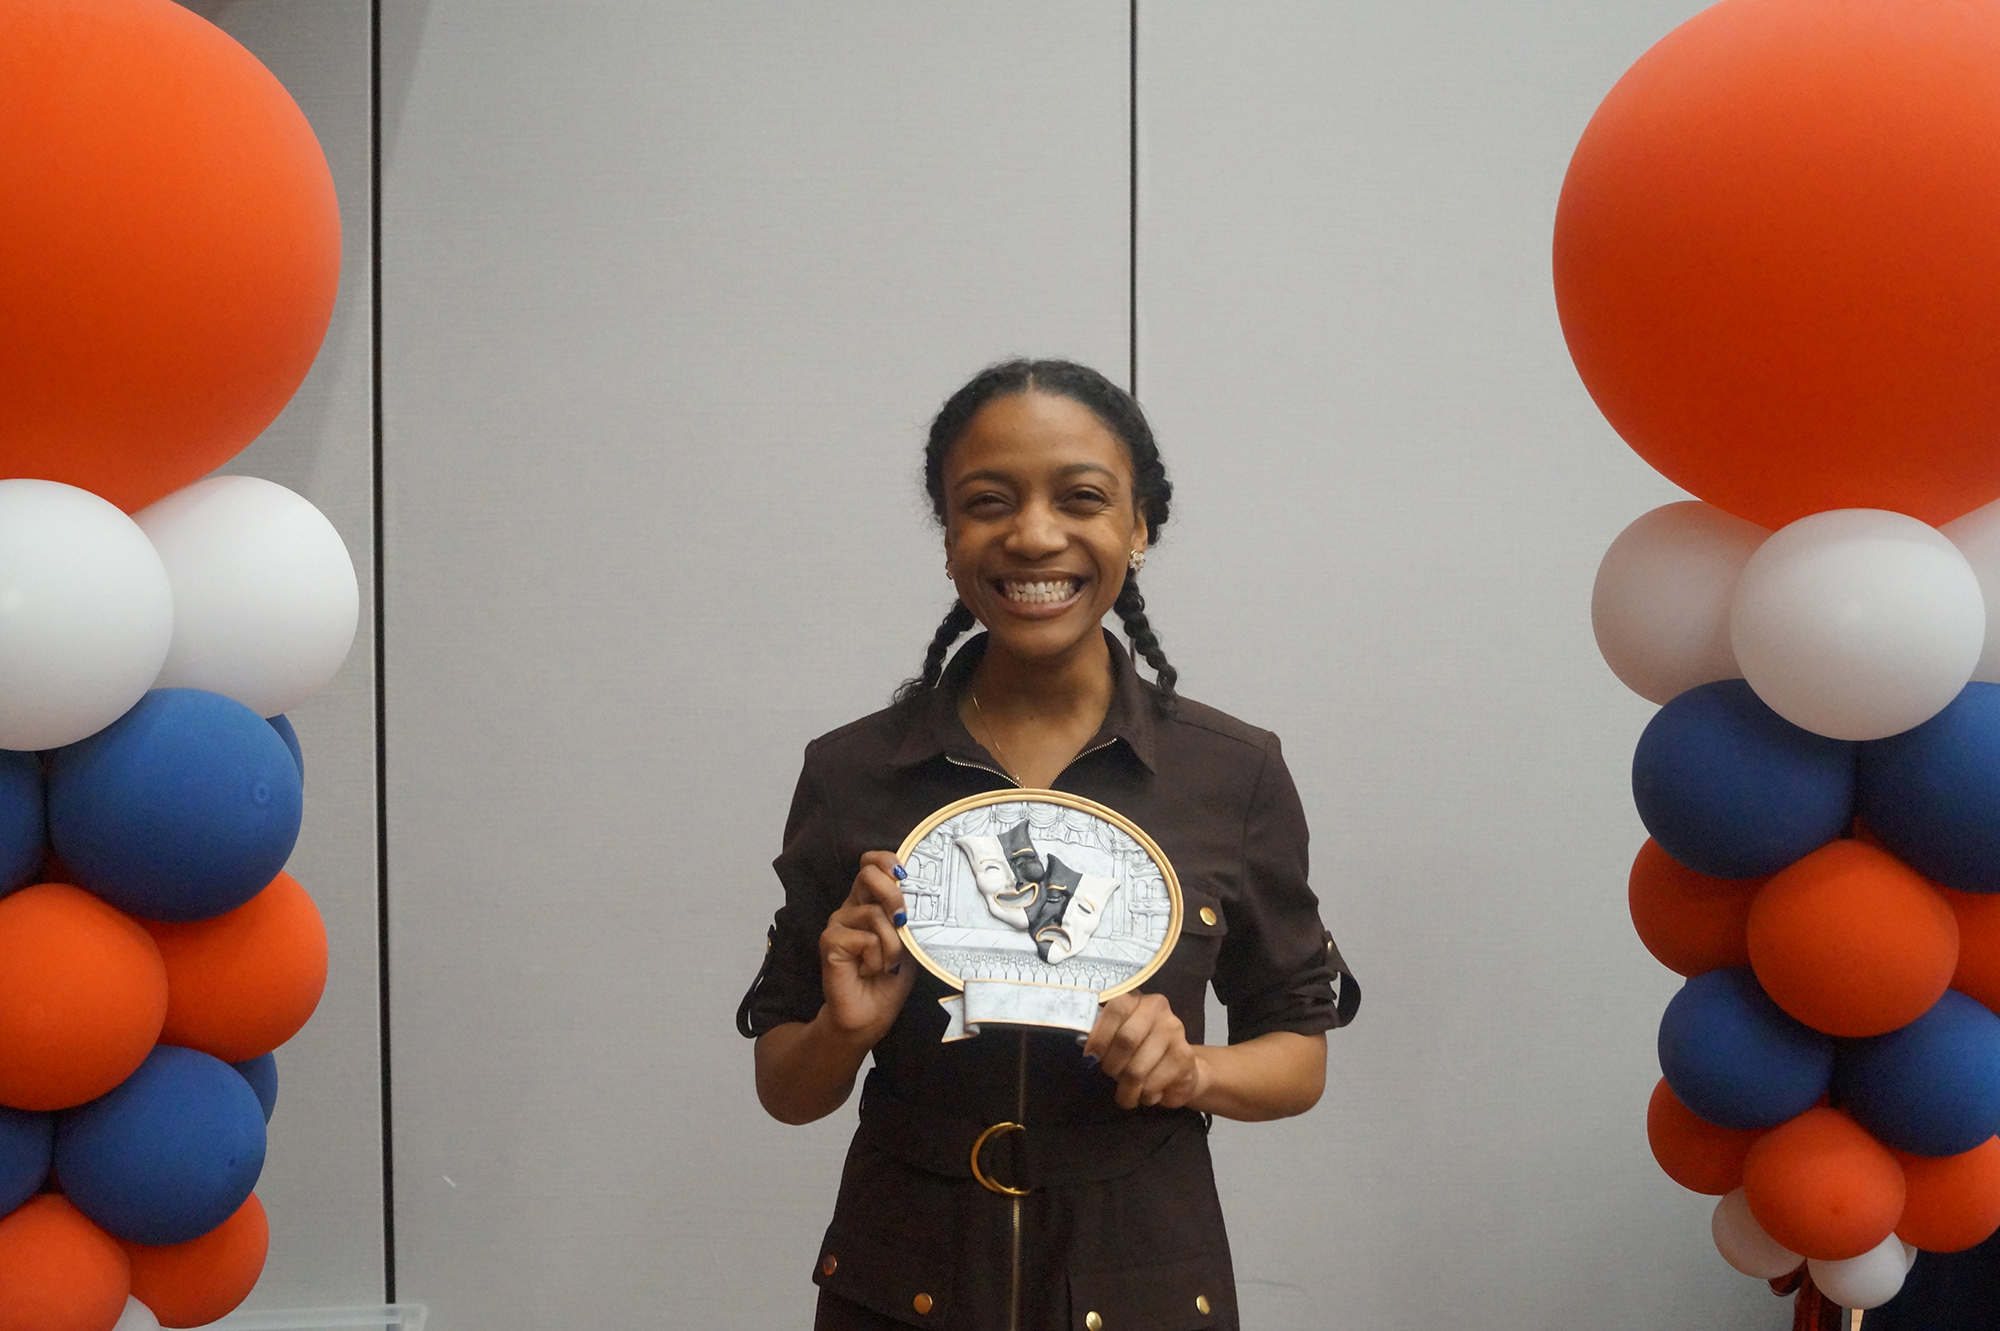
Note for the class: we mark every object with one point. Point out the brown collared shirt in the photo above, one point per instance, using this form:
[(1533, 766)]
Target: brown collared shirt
[(1121, 1216)]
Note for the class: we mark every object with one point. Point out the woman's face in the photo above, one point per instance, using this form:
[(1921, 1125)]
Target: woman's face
[(1039, 521)]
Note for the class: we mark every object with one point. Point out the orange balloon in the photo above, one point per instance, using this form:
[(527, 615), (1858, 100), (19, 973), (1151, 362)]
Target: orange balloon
[(244, 982), (1851, 941), (193, 1283), (1822, 1187), (1690, 922), (83, 993), (1978, 973), (59, 1272), (1954, 1200), (169, 245), (1696, 1154), (1774, 257)]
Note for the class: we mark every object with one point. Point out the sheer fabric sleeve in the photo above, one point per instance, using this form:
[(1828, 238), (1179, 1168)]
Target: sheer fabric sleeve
[(809, 869), (1278, 965)]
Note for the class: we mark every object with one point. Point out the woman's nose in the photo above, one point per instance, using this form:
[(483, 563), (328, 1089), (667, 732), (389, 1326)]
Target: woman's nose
[(1037, 531)]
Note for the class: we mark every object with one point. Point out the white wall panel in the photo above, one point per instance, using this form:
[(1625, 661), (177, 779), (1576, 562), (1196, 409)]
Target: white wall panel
[(670, 292), (1393, 493), (322, 1181)]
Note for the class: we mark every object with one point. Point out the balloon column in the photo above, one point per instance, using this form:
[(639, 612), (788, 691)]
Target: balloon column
[(169, 248), (1777, 263)]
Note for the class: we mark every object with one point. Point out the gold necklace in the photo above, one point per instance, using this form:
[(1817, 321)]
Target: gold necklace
[(992, 740)]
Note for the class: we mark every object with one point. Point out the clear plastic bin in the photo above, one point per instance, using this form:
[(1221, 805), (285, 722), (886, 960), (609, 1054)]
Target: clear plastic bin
[(390, 1317)]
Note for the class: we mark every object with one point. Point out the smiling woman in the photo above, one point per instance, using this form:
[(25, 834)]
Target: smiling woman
[(1014, 1179)]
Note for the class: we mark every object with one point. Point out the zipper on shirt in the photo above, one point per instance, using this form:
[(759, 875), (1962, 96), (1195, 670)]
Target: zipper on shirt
[(1020, 1116), (1008, 777)]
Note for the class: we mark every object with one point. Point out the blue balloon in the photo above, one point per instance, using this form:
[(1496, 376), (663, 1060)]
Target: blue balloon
[(169, 1154), (27, 1143), (283, 725), (262, 1074), (24, 824), (1736, 1058), (1932, 794), (183, 808), (1731, 789), (1930, 1088)]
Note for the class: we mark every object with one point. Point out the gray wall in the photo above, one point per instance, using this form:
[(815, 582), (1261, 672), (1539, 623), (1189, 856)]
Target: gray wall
[(322, 1183), (669, 293)]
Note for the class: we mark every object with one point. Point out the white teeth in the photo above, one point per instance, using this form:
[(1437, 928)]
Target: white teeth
[(1041, 593)]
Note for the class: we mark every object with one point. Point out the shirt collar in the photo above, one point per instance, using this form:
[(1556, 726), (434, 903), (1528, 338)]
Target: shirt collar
[(935, 728)]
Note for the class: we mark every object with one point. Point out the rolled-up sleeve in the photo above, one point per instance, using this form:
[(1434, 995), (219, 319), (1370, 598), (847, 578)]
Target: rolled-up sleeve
[(809, 869), (1276, 971)]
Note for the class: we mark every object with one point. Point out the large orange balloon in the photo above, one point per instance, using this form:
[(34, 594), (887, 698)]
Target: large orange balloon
[(1978, 973), (241, 984), (1953, 1201), (193, 1283), (1690, 922), (1695, 1153), (169, 245), (1822, 1187), (1851, 941), (83, 994), (59, 1272), (1775, 259)]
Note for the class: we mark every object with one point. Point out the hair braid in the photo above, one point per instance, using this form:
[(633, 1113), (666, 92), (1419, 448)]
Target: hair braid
[(957, 621), (1131, 608)]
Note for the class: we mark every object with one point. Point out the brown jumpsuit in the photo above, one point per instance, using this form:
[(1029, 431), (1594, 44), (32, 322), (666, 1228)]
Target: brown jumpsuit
[(1120, 1227)]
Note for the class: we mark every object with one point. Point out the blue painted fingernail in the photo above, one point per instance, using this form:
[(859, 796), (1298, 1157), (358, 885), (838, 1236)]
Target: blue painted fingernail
[(1090, 1060), (896, 969), (902, 918), (897, 871)]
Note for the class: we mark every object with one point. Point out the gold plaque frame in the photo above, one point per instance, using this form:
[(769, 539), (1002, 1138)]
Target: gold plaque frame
[(1030, 795)]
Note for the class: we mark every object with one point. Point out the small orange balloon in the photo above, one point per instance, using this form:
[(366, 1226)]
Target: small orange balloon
[(1978, 972), (193, 1283), (1954, 1200), (1851, 941), (1774, 260), (59, 1272), (1691, 923), (1823, 1187), (169, 245), (1696, 1154), (83, 993), (241, 984)]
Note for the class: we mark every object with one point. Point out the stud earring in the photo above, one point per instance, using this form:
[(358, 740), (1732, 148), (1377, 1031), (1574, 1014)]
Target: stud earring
[(1136, 560), (948, 575)]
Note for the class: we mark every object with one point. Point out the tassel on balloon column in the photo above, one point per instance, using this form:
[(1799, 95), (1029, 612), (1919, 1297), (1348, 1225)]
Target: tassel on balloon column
[(164, 300), (1777, 263)]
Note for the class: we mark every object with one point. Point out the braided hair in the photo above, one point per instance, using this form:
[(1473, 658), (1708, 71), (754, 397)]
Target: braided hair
[(1152, 492)]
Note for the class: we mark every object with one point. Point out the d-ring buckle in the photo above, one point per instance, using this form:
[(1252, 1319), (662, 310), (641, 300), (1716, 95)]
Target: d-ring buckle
[(979, 1145)]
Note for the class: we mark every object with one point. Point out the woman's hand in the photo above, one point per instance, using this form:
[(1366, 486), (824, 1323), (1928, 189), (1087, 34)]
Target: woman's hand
[(863, 969), (806, 1069), (1139, 1043)]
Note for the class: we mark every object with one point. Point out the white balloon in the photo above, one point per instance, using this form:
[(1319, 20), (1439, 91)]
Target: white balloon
[(1867, 1281), (1744, 1244), (136, 1317), (85, 614), (1910, 1251), (1857, 623), (1660, 607), (1977, 536), (265, 598)]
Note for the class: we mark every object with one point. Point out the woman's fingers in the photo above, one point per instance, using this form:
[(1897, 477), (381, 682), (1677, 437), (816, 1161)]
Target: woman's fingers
[(879, 883), (1142, 1045)]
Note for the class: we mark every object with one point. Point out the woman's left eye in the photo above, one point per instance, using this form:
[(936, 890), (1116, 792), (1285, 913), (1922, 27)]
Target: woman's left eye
[(1088, 498)]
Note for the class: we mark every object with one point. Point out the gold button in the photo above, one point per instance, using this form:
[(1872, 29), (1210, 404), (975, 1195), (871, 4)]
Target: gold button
[(1201, 1304), (922, 1303), (828, 1264), (1208, 915), (1093, 1321)]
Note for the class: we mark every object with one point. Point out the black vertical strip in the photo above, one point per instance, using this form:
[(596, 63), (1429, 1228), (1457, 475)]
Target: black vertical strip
[(381, 674), (1132, 199)]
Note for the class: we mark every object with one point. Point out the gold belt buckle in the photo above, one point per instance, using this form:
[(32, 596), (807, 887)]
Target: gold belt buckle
[(979, 1145)]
